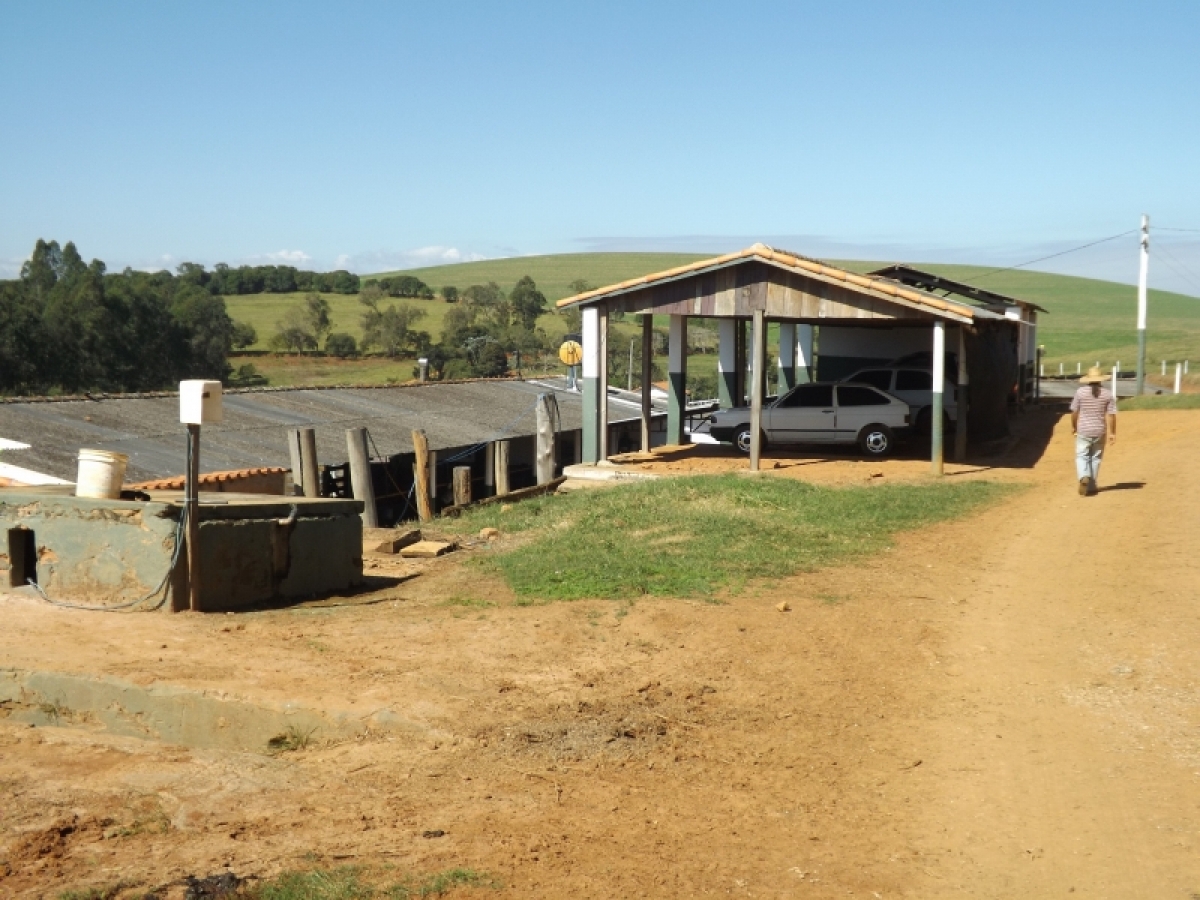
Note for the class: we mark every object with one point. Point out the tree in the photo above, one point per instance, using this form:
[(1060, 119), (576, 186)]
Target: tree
[(244, 335), (292, 332), (210, 330), (316, 311), (389, 329), (526, 303), (341, 345), (450, 293)]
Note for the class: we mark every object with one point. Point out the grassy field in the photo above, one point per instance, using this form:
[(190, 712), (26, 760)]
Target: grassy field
[(699, 536), (1087, 320)]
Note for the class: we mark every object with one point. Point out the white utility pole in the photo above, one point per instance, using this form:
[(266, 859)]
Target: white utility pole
[(1143, 271)]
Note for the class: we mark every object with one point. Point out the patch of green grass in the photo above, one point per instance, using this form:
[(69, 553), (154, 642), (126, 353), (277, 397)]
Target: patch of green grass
[(694, 537), (1162, 401), (290, 740), (352, 883)]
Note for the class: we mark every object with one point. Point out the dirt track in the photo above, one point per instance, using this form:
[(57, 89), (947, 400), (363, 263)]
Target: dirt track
[(1003, 706)]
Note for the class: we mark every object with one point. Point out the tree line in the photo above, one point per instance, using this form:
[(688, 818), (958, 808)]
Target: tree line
[(68, 325), (235, 280)]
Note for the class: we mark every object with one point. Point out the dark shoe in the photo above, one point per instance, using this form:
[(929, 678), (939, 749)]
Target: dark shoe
[(1085, 485), (1093, 490)]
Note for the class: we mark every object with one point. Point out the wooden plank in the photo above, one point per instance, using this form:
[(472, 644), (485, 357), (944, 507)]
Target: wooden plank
[(389, 540), (522, 494), (426, 550), (421, 475)]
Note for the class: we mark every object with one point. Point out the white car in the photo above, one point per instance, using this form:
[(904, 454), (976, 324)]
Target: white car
[(820, 413), (913, 385)]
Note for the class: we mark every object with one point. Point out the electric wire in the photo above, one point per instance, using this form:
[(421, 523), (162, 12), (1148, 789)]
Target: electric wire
[(1055, 255), (1186, 274)]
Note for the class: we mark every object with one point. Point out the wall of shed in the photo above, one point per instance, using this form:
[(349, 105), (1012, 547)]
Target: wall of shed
[(740, 290)]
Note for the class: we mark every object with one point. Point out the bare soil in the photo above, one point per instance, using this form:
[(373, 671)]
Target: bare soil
[(1000, 706)]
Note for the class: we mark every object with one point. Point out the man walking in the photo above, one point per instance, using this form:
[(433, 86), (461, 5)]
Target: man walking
[(1094, 423)]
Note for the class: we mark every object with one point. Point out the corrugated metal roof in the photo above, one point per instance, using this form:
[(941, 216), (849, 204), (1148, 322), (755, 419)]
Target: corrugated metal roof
[(253, 433), (928, 281)]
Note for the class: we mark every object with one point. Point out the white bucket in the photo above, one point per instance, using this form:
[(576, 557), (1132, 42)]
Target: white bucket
[(101, 474)]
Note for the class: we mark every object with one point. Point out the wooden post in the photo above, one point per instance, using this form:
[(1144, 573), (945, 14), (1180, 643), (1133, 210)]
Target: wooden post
[(489, 469), (501, 468), (758, 366), (421, 475), (962, 401), (293, 439), (647, 376), (192, 506), (308, 462), (462, 485), (360, 475)]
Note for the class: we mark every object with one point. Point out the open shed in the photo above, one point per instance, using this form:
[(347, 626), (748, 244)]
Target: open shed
[(761, 285)]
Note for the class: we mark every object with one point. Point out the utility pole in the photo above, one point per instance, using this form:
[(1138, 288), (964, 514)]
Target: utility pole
[(1143, 270)]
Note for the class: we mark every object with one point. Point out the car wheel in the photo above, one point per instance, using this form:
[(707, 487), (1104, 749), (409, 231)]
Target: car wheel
[(741, 439), (876, 440)]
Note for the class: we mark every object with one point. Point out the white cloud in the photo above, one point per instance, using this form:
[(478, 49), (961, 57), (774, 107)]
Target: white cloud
[(297, 258), (388, 260)]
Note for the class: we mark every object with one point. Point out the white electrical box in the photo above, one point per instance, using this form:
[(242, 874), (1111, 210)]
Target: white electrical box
[(200, 402)]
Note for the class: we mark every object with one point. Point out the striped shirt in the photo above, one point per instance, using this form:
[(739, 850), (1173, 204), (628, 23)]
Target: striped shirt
[(1092, 409)]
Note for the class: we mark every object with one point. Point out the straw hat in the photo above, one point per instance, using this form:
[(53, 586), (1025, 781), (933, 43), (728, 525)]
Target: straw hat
[(1093, 376)]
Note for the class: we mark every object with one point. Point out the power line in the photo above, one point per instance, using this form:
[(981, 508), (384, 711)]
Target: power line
[(1164, 228), (1054, 255), (1187, 274)]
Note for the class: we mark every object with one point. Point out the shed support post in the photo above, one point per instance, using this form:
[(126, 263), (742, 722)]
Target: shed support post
[(591, 385), (939, 380), (360, 475), (603, 379), (757, 371), (310, 474), (787, 356), (727, 364), (677, 380), (804, 354), (962, 400), (501, 448), (647, 375)]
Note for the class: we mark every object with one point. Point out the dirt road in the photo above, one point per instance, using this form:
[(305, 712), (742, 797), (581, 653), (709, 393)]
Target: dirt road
[(1002, 706)]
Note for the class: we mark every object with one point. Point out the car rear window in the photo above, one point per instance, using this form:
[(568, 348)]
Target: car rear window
[(859, 396), (880, 378), (913, 380), (809, 395)]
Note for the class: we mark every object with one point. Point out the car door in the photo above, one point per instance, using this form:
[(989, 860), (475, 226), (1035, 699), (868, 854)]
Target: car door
[(914, 387), (805, 414), (859, 406)]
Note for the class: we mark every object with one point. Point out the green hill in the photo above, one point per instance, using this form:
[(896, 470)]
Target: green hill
[(1087, 320)]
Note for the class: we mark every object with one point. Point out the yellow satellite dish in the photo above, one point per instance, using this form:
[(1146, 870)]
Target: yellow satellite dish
[(570, 353)]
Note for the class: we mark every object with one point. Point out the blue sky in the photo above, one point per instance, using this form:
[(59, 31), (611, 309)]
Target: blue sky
[(379, 135)]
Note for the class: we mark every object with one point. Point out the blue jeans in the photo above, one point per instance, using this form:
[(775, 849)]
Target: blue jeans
[(1088, 453)]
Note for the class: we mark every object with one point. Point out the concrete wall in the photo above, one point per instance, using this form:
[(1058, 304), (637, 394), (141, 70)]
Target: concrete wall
[(108, 552)]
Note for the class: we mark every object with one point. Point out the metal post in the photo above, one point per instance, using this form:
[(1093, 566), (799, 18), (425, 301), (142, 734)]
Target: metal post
[(308, 462), (647, 375), (758, 364), (939, 378), (192, 510), (1143, 270), (360, 475)]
